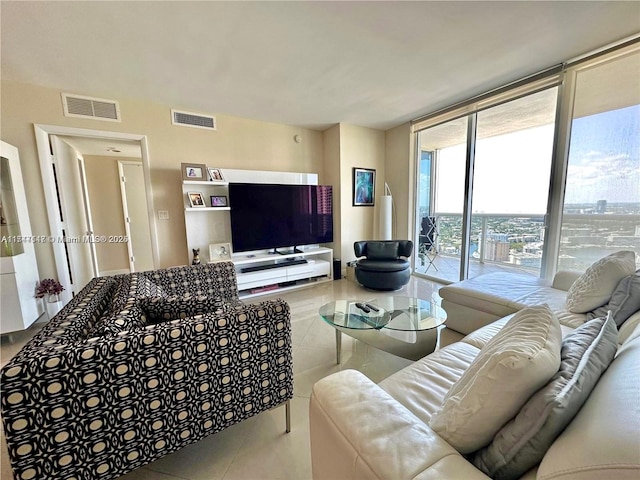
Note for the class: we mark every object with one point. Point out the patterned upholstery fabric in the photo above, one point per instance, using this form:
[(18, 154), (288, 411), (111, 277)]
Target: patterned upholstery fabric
[(160, 309), (76, 405)]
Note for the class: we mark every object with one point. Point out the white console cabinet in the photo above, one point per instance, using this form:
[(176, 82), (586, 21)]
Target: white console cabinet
[(18, 268), (263, 273)]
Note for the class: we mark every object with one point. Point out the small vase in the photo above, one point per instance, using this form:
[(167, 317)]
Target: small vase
[(52, 305)]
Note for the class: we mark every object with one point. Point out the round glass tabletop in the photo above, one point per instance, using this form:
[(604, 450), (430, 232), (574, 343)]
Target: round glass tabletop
[(393, 313)]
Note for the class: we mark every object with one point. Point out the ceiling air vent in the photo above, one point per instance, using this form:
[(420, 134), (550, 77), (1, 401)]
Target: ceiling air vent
[(89, 107), (188, 119)]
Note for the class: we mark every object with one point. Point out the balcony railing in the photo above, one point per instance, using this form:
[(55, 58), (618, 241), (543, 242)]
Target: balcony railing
[(516, 242)]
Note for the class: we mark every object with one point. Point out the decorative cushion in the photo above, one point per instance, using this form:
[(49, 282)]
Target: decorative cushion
[(514, 364), (130, 318), (146, 287), (628, 327), (624, 302), (382, 250), (160, 309), (522, 443), (596, 285)]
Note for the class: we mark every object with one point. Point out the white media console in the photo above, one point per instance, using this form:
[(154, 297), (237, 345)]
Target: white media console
[(263, 273)]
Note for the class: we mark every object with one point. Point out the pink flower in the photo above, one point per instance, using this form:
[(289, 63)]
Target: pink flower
[(48, 286)]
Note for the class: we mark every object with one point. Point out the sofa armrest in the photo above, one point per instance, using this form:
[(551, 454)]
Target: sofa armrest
[(134, 397), (563, 279), (214, 279), (358, 431)]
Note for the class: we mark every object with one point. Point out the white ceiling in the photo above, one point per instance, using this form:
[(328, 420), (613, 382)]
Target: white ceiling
[(311, 64)]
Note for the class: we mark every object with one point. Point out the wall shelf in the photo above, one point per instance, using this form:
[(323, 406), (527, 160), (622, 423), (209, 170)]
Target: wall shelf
[(206, 209), (205, 182)]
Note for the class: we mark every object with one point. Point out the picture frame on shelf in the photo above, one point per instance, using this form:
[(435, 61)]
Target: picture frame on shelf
[(215, 175), (194, 171), (364, 187), (219, 201), (196, 200), (219, 252)]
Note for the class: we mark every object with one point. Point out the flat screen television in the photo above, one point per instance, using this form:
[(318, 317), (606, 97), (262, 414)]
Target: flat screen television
[(265, 216)]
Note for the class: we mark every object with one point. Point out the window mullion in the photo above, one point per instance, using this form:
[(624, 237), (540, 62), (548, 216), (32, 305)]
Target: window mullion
[(468, 195), (558, 178)]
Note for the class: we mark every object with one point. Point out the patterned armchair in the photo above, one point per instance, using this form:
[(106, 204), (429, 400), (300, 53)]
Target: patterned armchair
[(100, 391)]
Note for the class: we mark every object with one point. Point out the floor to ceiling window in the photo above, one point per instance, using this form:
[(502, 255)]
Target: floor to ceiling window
[(513, 150), (601, 211), (488, 168), (441, 197)]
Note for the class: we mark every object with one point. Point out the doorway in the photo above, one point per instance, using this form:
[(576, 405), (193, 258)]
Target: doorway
[(78, 235), (135, 217)]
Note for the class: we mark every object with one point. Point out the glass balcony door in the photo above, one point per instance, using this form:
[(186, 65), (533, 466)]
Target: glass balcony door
[(512, 169), (441, 194), (506, 178)]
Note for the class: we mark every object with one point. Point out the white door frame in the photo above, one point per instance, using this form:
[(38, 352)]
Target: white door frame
[(42, 133), (125, 211), (87, 211)]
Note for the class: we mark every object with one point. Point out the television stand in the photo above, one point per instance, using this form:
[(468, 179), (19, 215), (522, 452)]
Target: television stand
[(268, 266), (262, 273)]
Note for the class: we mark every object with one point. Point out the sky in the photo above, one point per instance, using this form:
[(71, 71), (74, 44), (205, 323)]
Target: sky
[(512, 170), (511, 174), (604, 157)]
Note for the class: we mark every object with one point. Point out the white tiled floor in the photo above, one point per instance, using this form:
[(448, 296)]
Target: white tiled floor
[(259, 448)]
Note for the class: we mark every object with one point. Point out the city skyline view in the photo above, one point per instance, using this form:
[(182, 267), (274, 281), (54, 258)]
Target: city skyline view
[(604, 158)]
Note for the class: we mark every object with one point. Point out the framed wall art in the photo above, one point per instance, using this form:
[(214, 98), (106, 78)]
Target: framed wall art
[(364, 187), (194, 171)]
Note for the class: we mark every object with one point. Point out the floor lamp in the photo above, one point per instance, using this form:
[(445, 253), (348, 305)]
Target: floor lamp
[(385, 221)]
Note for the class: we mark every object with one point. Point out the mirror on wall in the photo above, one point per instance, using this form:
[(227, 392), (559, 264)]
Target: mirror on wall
[(110, 202)]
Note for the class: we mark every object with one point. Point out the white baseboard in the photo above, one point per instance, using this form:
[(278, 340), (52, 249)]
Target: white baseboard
[(108, 273)]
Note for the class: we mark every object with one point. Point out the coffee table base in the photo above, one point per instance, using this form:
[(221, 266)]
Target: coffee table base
[(409, 345)]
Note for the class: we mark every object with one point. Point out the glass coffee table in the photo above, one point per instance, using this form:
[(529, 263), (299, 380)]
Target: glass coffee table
[(403, 326)]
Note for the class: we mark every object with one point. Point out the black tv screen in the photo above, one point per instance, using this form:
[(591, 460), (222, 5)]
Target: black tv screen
[(265, 216)]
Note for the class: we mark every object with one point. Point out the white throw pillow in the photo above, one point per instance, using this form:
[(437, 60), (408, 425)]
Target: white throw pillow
[(514, 364), (596, 285)]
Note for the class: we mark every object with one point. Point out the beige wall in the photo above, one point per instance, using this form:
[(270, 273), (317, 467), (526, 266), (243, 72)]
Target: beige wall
[(331, 149), (399, 175), (103, 184), (365, 148), (237, 143)]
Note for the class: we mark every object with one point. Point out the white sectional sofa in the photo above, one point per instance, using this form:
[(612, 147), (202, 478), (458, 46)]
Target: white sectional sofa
[(476, 302), (363, 430)]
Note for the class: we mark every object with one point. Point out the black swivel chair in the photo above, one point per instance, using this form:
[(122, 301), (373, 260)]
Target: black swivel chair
[(385, 266)]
